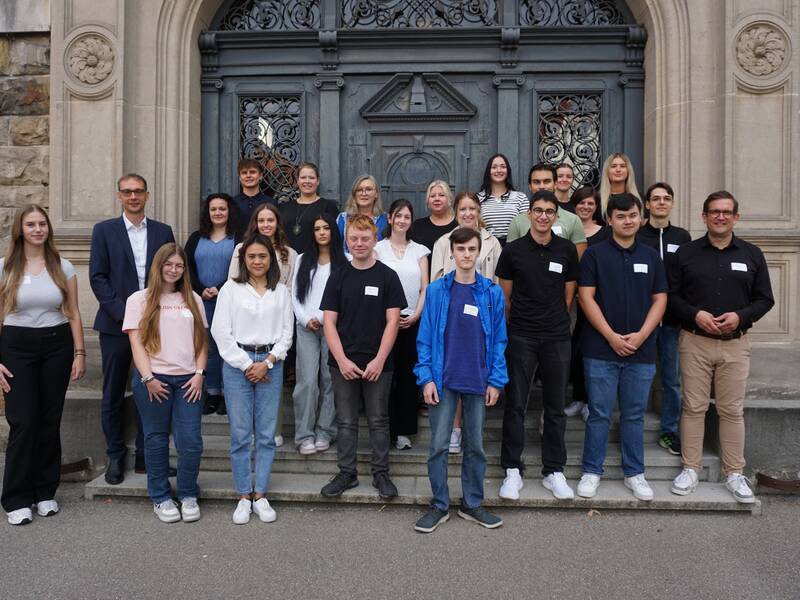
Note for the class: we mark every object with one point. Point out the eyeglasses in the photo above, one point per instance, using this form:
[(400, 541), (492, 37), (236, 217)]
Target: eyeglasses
[(548, 212), (137, 192), (365, 190), (727, 214)]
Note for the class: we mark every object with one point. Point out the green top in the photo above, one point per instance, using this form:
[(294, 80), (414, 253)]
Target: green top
[(567, 226)]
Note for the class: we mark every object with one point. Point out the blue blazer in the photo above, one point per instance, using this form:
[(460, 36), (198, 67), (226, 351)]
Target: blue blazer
[(112, 270)]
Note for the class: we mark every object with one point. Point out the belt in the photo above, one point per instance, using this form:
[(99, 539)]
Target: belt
[(734, 335), (256, 348)]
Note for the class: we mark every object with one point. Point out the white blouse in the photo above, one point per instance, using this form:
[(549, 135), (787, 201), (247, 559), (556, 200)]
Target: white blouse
[(407, 269), (309, 308)]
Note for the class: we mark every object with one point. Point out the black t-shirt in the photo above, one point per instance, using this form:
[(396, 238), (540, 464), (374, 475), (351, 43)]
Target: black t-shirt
[(539, 274), (426, 233), (298, 219), (361, 297), (246, 205)]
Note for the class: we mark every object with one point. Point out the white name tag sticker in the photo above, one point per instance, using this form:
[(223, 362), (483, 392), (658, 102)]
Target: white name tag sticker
[(370, 290), (672, 248), (557, 229), (738, 267), (469, 309), (26, 280), (556, 267), (639, 268), (186, 313)]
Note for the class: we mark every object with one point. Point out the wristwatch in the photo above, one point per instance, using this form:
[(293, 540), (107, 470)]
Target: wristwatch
[(200, 372), (147, 378), (270, 364)]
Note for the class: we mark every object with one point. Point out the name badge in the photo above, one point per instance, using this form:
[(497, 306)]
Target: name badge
[(556, 267), (557, 229), (370, 290), (738, 267), (639, 268), (672, 247), (26, 280), (186, 313), (469, 309)]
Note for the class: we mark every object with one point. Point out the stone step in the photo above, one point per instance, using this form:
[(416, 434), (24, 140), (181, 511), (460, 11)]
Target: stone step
[(291, 487)]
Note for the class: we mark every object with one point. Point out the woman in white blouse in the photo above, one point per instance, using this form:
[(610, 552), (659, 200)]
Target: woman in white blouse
[(410, 261), (314, 410), (499, 201), (253, 331)]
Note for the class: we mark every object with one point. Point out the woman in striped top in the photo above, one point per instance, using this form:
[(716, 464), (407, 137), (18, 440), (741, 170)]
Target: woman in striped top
[(500, 202)]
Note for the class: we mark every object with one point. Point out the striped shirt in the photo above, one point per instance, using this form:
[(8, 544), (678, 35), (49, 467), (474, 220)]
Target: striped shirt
[(497, 212)]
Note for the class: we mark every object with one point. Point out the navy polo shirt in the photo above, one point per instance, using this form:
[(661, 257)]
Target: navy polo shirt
[(625, 280)]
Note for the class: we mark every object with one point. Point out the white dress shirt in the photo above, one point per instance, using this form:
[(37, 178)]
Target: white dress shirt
[(309, 308), (244, 317), (138, 239)]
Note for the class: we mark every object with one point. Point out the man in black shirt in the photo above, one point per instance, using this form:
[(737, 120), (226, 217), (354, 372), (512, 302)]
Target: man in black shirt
[(666, 238), (361, 304), (719, 286), (538, 274), (250, 175)]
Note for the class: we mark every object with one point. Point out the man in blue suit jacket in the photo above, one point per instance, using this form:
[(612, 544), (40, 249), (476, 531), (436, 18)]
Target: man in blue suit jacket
[(121, 255)]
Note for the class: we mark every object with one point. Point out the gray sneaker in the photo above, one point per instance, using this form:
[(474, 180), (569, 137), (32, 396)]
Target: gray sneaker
[(431, 520), (481, 516)]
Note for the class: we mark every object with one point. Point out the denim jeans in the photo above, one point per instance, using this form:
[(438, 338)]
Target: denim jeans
[(214, 365), (606, 381), (252, 413), (670, 382), (314, 410), (181, 418), (473, 466)]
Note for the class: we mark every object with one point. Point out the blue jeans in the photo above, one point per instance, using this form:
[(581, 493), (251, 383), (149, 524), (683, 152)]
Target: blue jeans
[(181, 418), (252, 413), (473, 466), (214, 365), (605, 381), (670, 377)]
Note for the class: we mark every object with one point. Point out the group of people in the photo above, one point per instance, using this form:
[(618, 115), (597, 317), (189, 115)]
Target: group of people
[(455, 309)]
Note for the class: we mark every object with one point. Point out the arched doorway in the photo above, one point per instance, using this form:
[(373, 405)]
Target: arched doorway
[(405, 90)]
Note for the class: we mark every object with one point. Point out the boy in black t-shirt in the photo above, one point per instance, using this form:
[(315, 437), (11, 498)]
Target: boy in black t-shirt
[(362, 303)]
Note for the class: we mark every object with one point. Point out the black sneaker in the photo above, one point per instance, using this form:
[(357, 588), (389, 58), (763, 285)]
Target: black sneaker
[(338, 484), (671, 443), (386, 489), (211, 404), (222, 409), (431, 520), (481, 516)]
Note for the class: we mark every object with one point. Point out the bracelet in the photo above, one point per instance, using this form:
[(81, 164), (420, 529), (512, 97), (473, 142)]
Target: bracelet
[(147, 378), (80, 352)]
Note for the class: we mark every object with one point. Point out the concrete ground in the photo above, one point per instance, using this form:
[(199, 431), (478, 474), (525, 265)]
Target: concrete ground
[(117, 549)]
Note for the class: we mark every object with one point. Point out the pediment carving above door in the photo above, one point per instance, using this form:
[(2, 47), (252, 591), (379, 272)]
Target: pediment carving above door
[(418, 97)]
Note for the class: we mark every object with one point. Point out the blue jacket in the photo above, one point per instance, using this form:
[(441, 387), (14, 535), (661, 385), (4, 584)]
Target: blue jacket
[(430, 340)]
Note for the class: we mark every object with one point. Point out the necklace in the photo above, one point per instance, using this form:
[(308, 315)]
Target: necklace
[(297, 227), (399, 252)]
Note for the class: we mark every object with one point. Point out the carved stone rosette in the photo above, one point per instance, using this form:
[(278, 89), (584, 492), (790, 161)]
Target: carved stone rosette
[(761, 49), (90, 59)]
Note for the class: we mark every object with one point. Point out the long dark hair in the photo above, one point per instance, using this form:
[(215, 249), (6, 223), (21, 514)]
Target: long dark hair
[(308, 262), (280, 243), (231, 226), (274, 270), (397, 205), (486, 186)]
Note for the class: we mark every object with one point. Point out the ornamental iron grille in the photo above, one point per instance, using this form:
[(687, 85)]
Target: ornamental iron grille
[(272, 15), (569, 132), (270, 132), (569, 13), (422, 14)]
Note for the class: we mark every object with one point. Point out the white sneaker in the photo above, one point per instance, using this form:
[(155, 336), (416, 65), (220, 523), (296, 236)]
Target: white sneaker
[(322, 445), (585, 412), (557, 483), (685, 483), (403, 443), (573, 408), (278, 441), (47, 508), (21, 516), (307, 447), (738, 485), (512, 484), (640, 488), (264, 511), (242, 513), (190, 511), (587, 486), (167, 512), (455, 441)]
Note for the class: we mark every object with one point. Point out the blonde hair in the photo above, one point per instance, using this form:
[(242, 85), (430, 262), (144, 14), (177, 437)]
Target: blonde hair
[(469, 195), (351, 208), (445, 188), (605, 182)]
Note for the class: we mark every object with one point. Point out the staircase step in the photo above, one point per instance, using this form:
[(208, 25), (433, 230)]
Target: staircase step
[(290, 487)]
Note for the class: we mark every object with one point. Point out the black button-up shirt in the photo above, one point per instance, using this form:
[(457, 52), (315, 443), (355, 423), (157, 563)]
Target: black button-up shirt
[(734, 279), (666, 242)]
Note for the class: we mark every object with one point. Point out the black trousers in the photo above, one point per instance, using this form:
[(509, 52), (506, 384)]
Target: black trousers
[(403, 398), (525, 355), (116, 353), (576, 370), (40, 359)]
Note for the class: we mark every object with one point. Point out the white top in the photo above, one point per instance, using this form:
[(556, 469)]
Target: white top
[(138, 239), (497, 212), (309, 308), (245, 317), (407, 269), (287, 268), (442, 261), (38, 299)]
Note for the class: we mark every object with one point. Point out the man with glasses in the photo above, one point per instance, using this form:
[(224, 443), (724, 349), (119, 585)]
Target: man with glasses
[(538, 274), (719, 287), (121, 254)]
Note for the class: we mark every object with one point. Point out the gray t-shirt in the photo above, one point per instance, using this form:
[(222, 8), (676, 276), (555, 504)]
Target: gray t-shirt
[(38, 299)]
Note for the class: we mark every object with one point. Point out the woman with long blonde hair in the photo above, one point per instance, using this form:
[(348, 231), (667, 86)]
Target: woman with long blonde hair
[(617, 177), (364, 199), (41, 346), (166, 325)]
